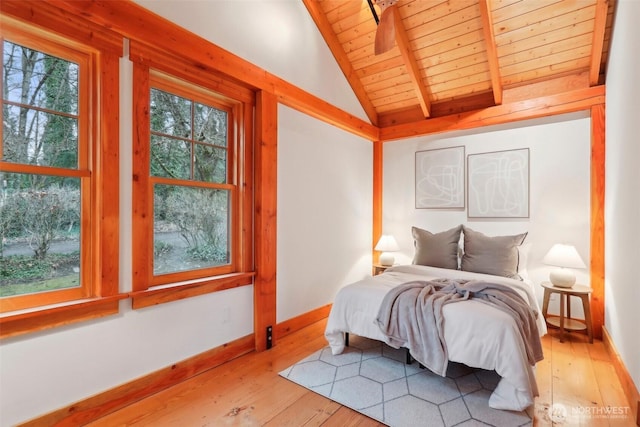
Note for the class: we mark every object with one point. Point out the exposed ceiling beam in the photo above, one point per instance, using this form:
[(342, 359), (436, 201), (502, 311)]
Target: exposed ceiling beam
[(568, 102), (410, 64), (315, 10), (492, 51), (602, 8)]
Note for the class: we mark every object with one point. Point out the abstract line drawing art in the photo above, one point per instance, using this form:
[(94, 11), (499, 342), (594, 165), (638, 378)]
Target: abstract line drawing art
[(440, 178), (498, 184)]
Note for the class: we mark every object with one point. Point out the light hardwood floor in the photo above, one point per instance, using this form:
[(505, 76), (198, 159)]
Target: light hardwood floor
[(248, 392)]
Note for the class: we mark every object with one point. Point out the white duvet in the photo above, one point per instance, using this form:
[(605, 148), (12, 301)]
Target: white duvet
[(475, 333)]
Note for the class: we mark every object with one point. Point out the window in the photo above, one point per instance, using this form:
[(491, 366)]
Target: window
[(191, 157), (192, 209), (51, 192), (45, 177)]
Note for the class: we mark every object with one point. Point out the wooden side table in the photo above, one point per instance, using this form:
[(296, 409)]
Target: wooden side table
[(567, 322), (379, 268)]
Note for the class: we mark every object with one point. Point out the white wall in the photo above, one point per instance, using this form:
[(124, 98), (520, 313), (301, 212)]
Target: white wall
[(622, 196), (324, 212), (559, 160), (276, 35)]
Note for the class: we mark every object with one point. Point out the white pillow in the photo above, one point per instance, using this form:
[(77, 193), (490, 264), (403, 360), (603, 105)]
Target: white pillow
[(523, 260)]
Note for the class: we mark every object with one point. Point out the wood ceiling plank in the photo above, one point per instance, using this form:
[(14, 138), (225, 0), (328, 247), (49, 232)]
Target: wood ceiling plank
[(365, 24), (544, 73), (363, 39), (396, 100), (530, 12), (569, 47), (389, 91), (438, 15), (492, 53), (450, 92), (399, 105), (432, 57), (410, 63), (550, 62), (448, 35), (447, 23), (371, 61), (343, 61), (457, 69), (386, 75), (348, 14), (602, 8), (500, 4), (381, 66), (400, 79), (522, 27), (558, 34)]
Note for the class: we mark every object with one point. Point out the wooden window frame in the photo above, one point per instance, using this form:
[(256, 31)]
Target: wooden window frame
[(98, 158), (154, 68)]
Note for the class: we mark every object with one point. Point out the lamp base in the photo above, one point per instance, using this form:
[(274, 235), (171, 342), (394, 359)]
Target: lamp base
[(562, 278), (387, 259)]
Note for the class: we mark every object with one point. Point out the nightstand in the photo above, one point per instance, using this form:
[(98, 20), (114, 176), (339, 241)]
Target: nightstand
[(567, 322), (379, 268)]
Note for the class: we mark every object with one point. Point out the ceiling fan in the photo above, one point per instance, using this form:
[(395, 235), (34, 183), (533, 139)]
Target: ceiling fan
[(386, 32)]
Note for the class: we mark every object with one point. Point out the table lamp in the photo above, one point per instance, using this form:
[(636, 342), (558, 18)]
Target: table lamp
[(386, 245), (566, 258)]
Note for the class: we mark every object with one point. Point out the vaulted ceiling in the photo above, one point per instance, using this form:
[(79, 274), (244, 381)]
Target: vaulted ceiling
[(457, 56)]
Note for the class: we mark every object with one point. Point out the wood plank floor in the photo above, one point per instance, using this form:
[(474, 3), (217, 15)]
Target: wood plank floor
[(248, 392)]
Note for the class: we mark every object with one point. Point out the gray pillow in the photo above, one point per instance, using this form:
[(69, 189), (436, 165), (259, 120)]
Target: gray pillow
[(491, 255), (436, 250)]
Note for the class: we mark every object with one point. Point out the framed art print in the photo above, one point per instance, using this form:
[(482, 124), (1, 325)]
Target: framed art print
[(498, 184), (440, 178)]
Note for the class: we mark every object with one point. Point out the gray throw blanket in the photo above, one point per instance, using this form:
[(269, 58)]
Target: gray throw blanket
[(411, 316)]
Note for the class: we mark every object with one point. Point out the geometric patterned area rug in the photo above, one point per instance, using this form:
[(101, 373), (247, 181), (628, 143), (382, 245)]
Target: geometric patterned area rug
[(373, 379)]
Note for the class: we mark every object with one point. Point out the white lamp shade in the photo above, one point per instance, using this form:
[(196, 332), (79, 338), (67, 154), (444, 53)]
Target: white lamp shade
[(565, 257), (562, 255), (387, 244)]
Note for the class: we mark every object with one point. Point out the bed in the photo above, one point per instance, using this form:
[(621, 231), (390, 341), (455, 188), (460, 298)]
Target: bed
[(475, 333)]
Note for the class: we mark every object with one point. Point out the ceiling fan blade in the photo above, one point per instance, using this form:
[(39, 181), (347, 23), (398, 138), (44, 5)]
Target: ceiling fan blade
[(386, 32)]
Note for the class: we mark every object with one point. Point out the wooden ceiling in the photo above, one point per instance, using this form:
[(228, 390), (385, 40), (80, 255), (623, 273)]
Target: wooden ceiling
[(458, 56)]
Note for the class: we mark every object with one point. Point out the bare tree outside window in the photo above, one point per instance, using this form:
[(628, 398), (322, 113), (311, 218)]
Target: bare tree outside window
[(189, 144), (40, 207)]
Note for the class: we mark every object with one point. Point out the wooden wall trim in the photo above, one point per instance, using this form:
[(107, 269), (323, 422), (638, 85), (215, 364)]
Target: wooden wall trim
[(628, 386), (597, 262), (266, 180), (294, 324), (99, 405), (378, 166)]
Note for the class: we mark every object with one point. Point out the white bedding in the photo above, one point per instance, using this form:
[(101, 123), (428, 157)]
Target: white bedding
[(475, 333)]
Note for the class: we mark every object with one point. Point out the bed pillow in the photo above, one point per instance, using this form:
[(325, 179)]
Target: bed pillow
[(523, 260), (436, 250), (491, 255)]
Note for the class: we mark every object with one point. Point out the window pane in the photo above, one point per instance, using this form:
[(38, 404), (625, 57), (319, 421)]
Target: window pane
[(34, 78), (170, 114), (38, 138), (170, 157), (210, 164), (39, 233), (210, 125), (191, 228)]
